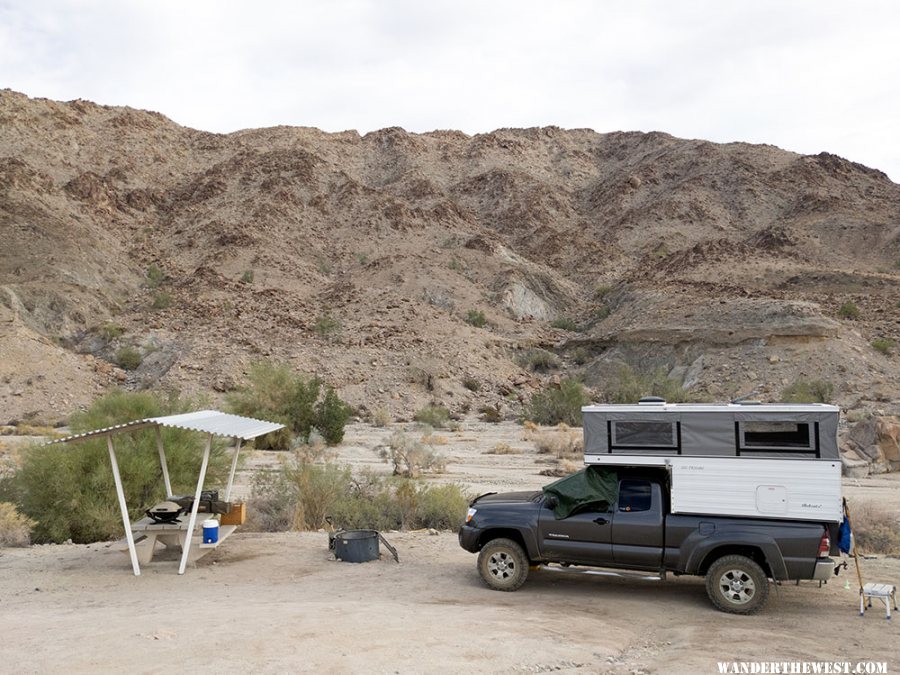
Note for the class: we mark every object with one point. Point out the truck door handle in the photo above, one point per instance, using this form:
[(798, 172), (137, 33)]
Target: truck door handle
[(601, 520)]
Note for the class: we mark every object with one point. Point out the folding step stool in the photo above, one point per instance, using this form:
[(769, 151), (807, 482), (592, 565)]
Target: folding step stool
[(885, 592)]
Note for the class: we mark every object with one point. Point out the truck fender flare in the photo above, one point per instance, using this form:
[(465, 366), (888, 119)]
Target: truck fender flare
[(700, 548), (525, 534)]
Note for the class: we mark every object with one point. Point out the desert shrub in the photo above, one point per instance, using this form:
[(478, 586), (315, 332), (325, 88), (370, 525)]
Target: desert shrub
[(630, 387), (411, 457), (560, 442), (381, 417), (883, 345), (556, 405), (69, 490), (161, 300), (15, 528), (849, 310), (247, 277), (332, 415), (565, 323), (129, 358), (808, 391), (155, 276), (562, 468), (110, 331), (471, 383), (475, 317), (601, 313), (433, 415), (502, 449), (602, 291), (277, 393), (305, 496), (581, 355), (490, 414), (538, 360), (876, 529), (327, 326)]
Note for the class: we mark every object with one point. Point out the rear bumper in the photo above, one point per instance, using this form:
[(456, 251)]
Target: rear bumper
[(824, 569)]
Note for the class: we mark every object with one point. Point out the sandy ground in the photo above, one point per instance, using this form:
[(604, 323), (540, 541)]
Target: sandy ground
[(278, 602)]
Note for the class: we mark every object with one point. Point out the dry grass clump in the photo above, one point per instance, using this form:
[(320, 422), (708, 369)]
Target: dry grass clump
[(381, 417), (560, 442), (876, 529), (564, 467), (15, 528), (503, 449)]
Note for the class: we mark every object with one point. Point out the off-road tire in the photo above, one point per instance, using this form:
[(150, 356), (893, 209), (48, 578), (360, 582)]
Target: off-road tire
[(503, 565), (737, 585)]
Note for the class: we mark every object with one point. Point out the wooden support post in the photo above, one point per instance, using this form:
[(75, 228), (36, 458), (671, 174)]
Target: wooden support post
[(192, 521), (234, 461), (162, 461), (126, 520)]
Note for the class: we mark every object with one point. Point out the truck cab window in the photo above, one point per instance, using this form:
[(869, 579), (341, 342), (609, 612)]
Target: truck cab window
[(634, 495)]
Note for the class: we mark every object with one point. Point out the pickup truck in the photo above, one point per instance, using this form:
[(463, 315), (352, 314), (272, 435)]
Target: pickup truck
[(515, 531)]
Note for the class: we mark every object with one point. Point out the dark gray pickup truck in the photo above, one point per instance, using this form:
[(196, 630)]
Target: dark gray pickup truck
[(514, 531)]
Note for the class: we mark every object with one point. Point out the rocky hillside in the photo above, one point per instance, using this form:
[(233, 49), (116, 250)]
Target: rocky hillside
[(370, 260)]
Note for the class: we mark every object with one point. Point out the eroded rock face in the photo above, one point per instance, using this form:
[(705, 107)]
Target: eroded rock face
[(871, 446)]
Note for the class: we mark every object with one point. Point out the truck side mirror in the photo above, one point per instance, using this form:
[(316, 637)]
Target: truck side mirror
[(551, 502)]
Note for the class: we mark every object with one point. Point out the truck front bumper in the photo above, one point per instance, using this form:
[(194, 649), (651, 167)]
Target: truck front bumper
[(468, 538), (824, 569)]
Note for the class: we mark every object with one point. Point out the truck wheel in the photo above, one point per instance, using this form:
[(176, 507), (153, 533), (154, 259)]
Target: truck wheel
[(503, 565), (737, 584)]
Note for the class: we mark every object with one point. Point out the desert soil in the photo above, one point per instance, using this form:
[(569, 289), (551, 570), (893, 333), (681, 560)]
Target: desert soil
[(276, 602)]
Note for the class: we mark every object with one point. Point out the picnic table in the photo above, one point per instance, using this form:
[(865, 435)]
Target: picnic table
[(146, 532)]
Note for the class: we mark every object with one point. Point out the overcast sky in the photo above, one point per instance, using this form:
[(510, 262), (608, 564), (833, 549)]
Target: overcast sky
[(805, 75)]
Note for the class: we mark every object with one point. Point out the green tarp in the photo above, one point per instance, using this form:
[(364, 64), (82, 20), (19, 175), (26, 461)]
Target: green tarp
[(592, 486)]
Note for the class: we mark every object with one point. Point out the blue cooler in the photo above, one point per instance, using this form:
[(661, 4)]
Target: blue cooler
[(210, 531)]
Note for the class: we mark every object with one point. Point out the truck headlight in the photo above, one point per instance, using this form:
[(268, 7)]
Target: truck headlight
[(470, 514)]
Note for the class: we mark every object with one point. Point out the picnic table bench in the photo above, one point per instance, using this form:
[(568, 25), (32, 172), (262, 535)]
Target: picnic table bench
[(147, 533)]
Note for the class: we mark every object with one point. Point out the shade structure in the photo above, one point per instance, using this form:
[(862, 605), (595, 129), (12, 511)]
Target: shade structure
[(205, 421), (209, 422)]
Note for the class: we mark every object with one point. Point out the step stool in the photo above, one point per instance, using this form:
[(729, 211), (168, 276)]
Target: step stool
[(885, 592)]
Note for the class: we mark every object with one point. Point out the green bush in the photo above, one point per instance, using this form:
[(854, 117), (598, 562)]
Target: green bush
[(69, 489), (553, 406), (475, 317), (849, 310), (471, 383), (275, 392), (602, 291), (565, 323), (327, 326), (332, 415), (538, 360), (630, 387), (433, 415), (110, 331), (155, 277), (162, 300), (808, 391), (247, 277), (129, 358), (883, 345)]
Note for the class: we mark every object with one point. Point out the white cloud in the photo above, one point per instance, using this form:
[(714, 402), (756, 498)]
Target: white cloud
[(806, 75)]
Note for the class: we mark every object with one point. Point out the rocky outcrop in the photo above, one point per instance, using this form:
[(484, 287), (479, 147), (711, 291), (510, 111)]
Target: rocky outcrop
[(871, 446)]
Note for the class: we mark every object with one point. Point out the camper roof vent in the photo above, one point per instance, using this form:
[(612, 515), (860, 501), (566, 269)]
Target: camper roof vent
[(652, 400)]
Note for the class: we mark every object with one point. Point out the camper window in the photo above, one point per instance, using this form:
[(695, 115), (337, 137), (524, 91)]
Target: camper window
[(644, 435), (775, 436)]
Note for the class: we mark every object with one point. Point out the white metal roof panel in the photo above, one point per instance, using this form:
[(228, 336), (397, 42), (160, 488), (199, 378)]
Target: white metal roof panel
[(204, 421)]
